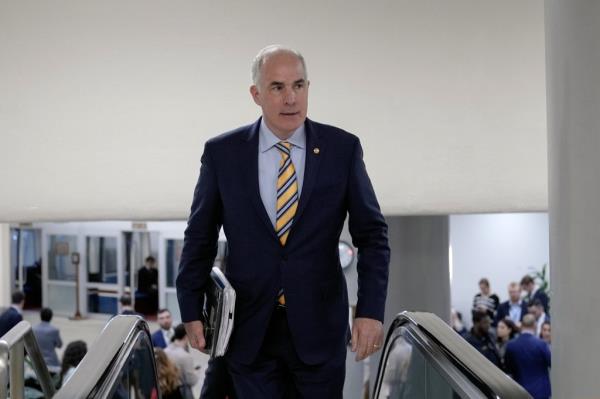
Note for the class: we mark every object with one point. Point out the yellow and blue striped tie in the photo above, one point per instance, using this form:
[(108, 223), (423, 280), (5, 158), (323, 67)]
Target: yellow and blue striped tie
[(287, 198)]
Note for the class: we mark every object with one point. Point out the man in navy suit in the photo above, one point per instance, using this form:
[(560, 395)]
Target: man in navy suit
[(528, 360), (531, 294), (12, 316), (281, 189), (162, 337), (514, 309)]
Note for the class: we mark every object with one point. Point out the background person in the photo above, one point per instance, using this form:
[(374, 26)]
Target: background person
[(528, 360), (147, 288), (531, 293), (13, 315), (48, 338), (484, 300), (162, 336), (481, 339), (514, 308), (169, 381), (74, 353), (546, 333), (505, 332), (178, 352), (536, 308)]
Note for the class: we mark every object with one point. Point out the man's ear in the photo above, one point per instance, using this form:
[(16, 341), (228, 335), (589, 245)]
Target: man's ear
[(255, 94)]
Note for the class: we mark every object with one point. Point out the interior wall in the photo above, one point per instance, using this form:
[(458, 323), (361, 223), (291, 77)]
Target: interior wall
[(105, 106), (500, 247)]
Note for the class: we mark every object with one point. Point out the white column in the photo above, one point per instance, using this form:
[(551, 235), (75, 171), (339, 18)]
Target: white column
[(5, 265), (573, 90), (419, 278)]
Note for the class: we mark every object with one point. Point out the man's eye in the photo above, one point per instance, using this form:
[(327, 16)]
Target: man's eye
[(277, 88), (299, 85)]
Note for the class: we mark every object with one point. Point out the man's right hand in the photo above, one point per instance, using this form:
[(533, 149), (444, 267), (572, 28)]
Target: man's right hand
[(195, 334)]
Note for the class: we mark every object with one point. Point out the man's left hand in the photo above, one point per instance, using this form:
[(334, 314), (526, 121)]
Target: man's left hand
[(367, 337)]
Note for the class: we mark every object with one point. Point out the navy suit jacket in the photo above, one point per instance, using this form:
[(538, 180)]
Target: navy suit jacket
[(158, 339), (527, 359), (307, 267), (504, 311), (10, 318)]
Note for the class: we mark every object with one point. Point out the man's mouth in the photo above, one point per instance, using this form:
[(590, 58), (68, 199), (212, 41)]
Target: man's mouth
[(289, 113)]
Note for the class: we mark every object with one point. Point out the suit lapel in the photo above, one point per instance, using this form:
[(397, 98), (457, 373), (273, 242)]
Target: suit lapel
[(249, 162), (311, 167)]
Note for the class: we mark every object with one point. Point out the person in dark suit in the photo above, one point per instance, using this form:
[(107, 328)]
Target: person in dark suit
[(12, 316), (162, 336), (126, 308), (48, 338), (514, 309), (531, 294), (281, 189), (147, 288), (527, 360), (536, 308), (481, 339)]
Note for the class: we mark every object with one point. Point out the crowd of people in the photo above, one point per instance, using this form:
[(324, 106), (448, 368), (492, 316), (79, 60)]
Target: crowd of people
[(515, 335), (48, 339), (177, 373)]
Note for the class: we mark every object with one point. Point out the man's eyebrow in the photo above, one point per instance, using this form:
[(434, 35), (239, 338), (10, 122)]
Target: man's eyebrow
[(302, 80), (276, 83)]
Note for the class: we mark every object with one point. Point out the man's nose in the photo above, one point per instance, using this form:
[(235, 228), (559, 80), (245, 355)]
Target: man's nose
[(289, 97)]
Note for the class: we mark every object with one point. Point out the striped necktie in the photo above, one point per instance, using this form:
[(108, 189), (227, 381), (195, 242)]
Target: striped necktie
[(287, 192), (287, 198)]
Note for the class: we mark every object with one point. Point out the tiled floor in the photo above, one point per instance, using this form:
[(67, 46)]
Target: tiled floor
[(89, 329)]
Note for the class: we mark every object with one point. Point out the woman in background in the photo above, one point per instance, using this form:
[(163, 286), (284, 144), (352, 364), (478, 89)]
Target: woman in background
[(545, 334), (73, 354), (169, 382), (505, 331)]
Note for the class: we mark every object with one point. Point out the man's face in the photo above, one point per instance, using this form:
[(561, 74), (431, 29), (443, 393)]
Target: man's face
[(514, 293), (484, 325), (164, 320), (282, 93), (528, 287)]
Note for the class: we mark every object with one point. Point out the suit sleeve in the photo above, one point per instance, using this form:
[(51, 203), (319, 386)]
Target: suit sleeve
[(509, 361), (369, 234), (200, 241)]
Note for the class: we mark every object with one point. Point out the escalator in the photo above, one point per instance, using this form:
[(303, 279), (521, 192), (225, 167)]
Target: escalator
[(424, 358), (119, 365)]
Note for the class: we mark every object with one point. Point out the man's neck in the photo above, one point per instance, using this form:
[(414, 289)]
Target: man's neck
[(283, 136)]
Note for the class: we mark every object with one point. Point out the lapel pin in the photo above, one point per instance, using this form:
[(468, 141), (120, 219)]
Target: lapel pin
[(316, 150)]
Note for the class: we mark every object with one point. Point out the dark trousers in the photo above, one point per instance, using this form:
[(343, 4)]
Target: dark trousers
[(217, 382), (278, 372)]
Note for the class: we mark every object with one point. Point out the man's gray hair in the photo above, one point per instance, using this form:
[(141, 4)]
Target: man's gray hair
[(528, 322), (262, 55)]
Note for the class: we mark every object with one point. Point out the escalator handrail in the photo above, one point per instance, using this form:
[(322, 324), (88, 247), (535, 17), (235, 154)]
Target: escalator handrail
[(481, 372), (12, 358), (117, 337)]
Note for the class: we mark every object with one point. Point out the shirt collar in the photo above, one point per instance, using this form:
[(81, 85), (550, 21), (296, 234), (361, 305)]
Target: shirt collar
[(268, 138)]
